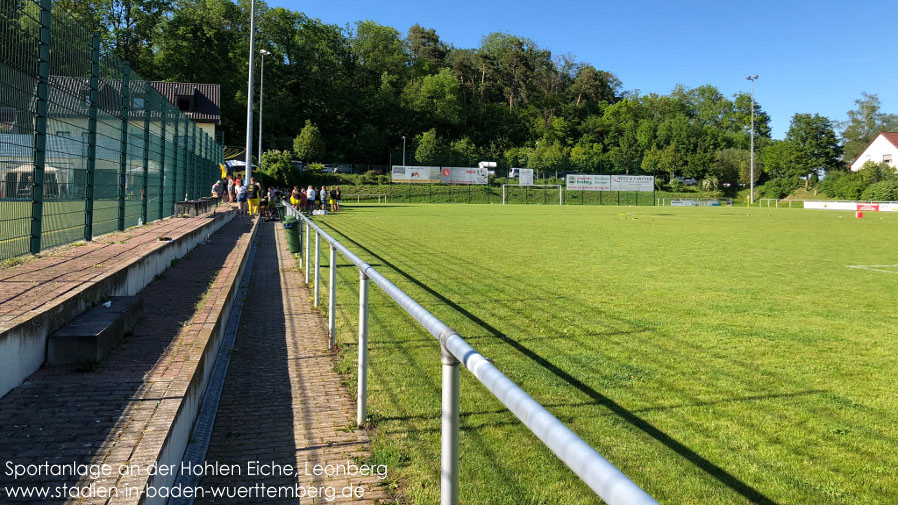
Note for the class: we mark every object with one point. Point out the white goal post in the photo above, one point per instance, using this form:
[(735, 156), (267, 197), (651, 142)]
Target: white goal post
[(560, 193)]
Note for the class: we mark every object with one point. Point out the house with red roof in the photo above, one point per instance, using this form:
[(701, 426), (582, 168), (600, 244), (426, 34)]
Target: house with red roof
[(883, 149)]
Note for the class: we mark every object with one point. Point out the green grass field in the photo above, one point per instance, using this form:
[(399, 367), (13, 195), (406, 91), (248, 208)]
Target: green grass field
[(715, 355)]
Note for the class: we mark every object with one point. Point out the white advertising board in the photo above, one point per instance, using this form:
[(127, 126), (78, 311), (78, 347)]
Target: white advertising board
[(644, 183), (580, 182), (416, 174), (526, 178), (464, 175)]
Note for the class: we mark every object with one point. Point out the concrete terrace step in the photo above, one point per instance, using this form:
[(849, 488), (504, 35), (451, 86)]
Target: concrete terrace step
[(90, 336), (135, 411), (42, 295)]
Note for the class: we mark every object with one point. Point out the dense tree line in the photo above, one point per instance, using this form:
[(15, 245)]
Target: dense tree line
[(361, 88)]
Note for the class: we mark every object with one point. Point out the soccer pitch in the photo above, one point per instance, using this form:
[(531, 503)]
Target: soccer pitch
[(714, 355)]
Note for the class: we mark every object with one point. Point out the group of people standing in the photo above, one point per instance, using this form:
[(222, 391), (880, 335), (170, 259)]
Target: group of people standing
[(246, 196), (309, 199)]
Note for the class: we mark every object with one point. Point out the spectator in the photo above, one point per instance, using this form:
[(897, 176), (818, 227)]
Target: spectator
[(216, 189), (303, 201), (231, 196), (332, 197), (254, 192), (339, 197), (240, 192)]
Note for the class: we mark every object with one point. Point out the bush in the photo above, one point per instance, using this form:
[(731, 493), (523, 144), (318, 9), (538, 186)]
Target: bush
[(779, 188), (885, 191)]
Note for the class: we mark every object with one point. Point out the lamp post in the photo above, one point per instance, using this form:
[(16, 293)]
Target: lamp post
[(403, 150), (249, 92), (264, 53), (751, 197)]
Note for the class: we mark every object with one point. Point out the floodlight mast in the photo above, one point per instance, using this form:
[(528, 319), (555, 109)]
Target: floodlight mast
[(751, 200), (264, 53), (249, 93)]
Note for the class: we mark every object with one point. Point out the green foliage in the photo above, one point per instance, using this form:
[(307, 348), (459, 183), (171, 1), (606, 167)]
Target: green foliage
[(278, 167), (431, 148), (853, 185), (780, 187), (864, 124), (308, 145), (883, 191)]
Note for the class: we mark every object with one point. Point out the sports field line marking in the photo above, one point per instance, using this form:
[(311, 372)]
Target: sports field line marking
[(876, 268)]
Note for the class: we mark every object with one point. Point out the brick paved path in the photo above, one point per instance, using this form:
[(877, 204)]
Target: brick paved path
[(37, 284), (282, 401), (119, 412)]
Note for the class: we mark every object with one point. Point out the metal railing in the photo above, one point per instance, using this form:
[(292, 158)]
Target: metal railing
[(599, 474)]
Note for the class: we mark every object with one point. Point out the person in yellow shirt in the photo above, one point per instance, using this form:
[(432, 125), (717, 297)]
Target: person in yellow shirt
[(253, 192)]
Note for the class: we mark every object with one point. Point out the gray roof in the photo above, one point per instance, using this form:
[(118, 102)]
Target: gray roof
[(206, 98)]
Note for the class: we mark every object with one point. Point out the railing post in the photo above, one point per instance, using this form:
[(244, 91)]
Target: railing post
[(362, 412), (332, 299), (307, 252), (145, 192), (40, 127), (450, 421), (317, 269), (92, 137), (123, 161)]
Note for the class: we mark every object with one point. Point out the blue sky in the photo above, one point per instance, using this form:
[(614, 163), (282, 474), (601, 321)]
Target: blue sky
[(812, 57)]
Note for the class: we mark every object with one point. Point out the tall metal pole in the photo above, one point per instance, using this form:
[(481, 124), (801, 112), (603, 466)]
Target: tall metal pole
[(403, 150), (332, 299), (751, 198), (264, 53), (249, 93)]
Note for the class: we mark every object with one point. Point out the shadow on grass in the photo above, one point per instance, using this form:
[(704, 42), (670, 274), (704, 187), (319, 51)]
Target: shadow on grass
[(724, 477)]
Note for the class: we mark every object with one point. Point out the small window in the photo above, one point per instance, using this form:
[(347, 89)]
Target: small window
[(886, 158), (138, 103), (185, 103)]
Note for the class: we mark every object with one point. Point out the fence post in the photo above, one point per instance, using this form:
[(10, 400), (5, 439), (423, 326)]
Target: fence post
[(145, 193), (317, 268), (162, 142), (332, 299), (92, 137), (177, 151), (307, 252), (362, 412), (123, 161), (449, 422), (40, 129)]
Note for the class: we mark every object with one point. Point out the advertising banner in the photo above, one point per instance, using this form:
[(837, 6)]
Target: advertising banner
[(464, 175), (579, 182), (416, 174), (526, 177), (644, 183)]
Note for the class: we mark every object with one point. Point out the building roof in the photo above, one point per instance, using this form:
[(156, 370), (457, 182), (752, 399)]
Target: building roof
[(206, 98)]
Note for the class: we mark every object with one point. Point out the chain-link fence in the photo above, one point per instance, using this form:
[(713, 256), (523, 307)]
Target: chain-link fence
[(87, 146)]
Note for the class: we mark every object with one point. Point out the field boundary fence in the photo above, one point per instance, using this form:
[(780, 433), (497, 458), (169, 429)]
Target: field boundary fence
[(538, 194), (87, 145), (609, 483)]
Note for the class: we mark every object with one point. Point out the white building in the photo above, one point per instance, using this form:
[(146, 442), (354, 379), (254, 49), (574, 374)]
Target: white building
[(883, 149)]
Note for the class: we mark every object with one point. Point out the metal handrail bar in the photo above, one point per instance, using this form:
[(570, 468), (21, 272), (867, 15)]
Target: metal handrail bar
[(599, 474)]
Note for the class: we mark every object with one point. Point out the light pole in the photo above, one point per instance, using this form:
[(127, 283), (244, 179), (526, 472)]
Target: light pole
[(751, 197), (264, 53), (249, 93), (403, 150)]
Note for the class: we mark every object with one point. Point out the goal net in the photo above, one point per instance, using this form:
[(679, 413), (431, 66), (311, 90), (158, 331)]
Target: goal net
[(537, 194)]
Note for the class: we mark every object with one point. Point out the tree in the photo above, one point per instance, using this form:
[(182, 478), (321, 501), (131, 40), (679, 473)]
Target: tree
[(733, 166), (436, 98), (428, 53), (864, 124), (308, 145), (464, 152), (431, 148), (816, 145), (278, 165)]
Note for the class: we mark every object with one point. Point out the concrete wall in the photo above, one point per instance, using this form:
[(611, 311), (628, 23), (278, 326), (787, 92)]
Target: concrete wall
[(23, 348)]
